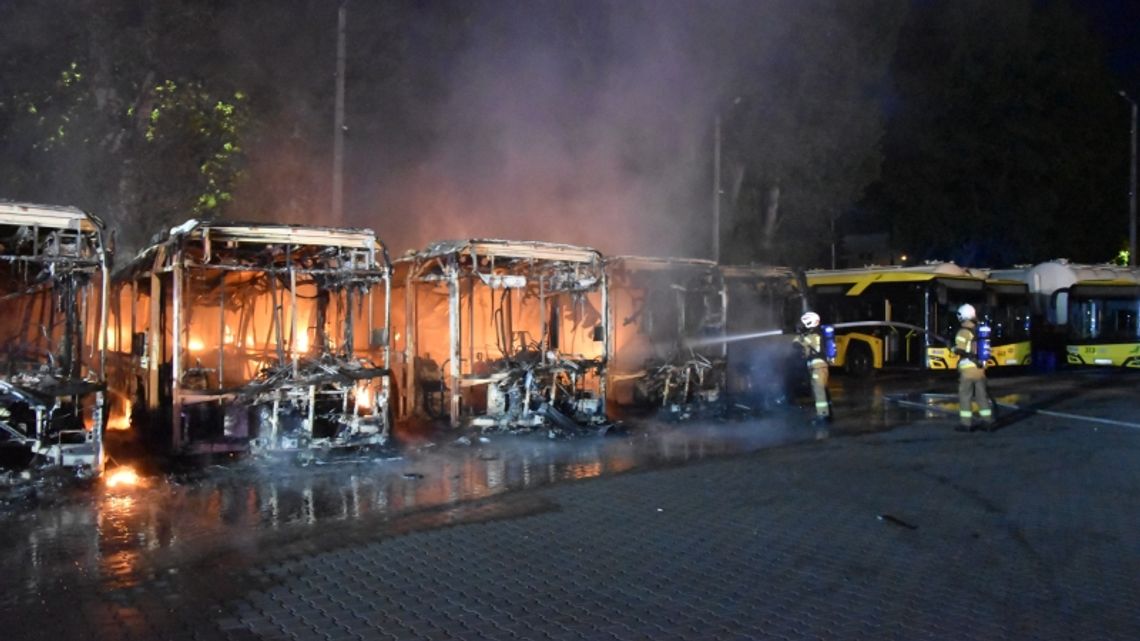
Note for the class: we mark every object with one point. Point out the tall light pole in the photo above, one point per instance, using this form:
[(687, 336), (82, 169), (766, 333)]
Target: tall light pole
[(338, 121), (1132, 188), (716, 191)]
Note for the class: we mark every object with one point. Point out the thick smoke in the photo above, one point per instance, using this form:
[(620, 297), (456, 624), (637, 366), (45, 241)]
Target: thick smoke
[(586, 123)]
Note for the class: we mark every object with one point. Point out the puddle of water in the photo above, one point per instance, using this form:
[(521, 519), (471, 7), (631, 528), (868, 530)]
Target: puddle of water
[(116, 536), (945, 404)]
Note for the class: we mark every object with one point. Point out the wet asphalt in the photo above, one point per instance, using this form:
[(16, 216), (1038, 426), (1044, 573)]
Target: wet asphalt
[(244, 549)]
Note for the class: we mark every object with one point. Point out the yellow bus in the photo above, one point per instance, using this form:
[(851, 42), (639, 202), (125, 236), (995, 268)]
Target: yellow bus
[(1008, 311), (896, 316), (1090, 310)]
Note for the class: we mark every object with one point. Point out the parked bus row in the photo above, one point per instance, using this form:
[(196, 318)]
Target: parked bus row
[(1081, 315), (267, 338)]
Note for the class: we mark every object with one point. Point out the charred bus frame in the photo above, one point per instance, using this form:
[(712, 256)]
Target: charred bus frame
[(762, 302), (523, 344), (664, 313), (54, 265), (235, 336)]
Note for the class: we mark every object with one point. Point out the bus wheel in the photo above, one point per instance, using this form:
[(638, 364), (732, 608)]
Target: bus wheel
[(859, 360)]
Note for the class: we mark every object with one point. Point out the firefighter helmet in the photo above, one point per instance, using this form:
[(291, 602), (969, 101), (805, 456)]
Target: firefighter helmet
[(967, 312), (810, 320)]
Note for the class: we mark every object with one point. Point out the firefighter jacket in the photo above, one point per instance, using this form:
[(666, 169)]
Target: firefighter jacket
[(811, 342), (966, 346)]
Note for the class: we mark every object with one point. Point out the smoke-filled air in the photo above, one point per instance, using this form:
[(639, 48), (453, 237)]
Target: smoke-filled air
[(579, 122)]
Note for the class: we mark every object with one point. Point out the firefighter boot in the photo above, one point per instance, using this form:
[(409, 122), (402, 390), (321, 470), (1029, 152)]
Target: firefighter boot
[(988, 423)]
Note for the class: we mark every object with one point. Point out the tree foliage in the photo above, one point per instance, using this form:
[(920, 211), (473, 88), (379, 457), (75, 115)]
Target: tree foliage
[(119, 109), (1008, 141)]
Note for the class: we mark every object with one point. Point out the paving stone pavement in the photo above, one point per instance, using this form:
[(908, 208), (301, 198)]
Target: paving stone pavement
[(1009, 536), (918, 533)]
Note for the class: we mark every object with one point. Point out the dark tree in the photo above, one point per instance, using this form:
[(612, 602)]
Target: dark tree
[(1008, 138)]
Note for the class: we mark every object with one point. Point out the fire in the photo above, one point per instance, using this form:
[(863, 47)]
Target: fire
[(122, 477), (363, 397), (121, 421), (302, 343), (195, 344)]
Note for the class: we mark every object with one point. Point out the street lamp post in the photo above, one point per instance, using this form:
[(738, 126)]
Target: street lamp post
[(1132, 188), (716, 191), (338, 121)]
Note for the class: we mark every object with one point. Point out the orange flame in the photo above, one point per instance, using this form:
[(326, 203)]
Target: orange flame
[(123, 477), (117, 421), (363, 397)]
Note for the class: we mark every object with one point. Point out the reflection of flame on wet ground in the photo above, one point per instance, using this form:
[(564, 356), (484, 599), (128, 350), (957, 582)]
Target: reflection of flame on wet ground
[(118, 549), (144, 523)]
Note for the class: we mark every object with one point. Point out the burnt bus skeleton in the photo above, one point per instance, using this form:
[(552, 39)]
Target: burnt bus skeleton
[(269, 338), (762, 302), (53, 272), (662, 308), (502, 335)]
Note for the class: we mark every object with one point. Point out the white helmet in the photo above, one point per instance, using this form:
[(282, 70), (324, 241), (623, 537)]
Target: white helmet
[(967, 312), (810, 320)]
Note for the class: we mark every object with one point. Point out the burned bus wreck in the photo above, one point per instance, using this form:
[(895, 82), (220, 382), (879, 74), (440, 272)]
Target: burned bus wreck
[(667, 316), (271, 338), (53, 274), (764, 368), (502, 335)]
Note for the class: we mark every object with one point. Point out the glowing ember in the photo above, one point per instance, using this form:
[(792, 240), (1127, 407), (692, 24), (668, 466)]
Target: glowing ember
[(122, 477)]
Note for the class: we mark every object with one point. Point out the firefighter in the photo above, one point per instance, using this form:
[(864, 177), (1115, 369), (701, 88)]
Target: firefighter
[(810, 340), (971, 373)]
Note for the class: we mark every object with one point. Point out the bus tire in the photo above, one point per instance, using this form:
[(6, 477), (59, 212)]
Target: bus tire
[(859, 359)]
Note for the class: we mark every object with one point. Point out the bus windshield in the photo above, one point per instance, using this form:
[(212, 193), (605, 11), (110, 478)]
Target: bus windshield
[(1104, 318), (1008, 314)]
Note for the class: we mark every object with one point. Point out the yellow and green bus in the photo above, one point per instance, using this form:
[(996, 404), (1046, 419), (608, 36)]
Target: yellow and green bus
[(1089, 311)]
